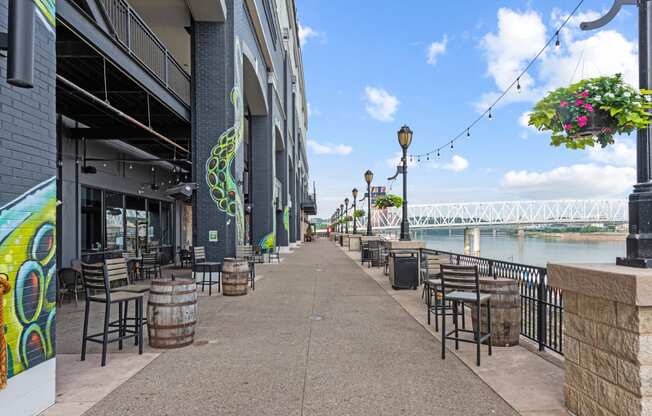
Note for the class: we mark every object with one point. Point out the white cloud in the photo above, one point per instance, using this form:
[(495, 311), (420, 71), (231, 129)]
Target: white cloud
[(306, 32), (329, 148), (437, 49), (381, 105), (621, 153), (576, 181), (457, 164), (519, 38)]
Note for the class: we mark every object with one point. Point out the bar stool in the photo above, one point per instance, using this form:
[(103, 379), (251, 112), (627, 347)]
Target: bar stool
[(199, 263)]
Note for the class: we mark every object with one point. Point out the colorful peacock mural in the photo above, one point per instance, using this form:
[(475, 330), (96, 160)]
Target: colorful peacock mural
[(223, 187), (286, 219)]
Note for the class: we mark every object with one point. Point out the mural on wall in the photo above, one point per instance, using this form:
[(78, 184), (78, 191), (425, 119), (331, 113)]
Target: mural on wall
[(5, 287), (224, 189), (286, 219), (28, 261), (48, 11), (269, 241)]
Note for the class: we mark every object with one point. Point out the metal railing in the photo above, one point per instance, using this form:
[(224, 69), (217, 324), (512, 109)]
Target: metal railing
[(541, 305), (133, 33)]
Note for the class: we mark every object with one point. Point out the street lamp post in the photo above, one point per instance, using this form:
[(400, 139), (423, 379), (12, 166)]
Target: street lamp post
[(337, 220), (404, 139), (368, 177), (639, 240), (342, 217), (346, 214), (354, 192)]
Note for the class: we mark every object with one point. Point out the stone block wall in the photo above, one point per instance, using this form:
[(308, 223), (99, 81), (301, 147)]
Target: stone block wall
[(608, 352)]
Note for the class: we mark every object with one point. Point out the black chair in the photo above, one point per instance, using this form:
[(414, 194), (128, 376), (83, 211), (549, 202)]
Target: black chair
[(150, 265), (70, 284), (199, 264), (97, 286), (375, 254), (274, 253), (252, 274), (461, 286), (185, 257)]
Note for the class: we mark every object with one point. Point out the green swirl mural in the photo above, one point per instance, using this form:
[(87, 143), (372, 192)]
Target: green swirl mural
[(269, 241), (28, 253), (286, 219), (222, 185)]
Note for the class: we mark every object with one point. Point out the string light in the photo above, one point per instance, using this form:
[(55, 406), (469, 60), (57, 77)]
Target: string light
[(555, 38), (438, 153), (131, 166), (451, 145)]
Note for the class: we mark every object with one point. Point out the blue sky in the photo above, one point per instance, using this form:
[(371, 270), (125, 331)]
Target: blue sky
[(374, 65)]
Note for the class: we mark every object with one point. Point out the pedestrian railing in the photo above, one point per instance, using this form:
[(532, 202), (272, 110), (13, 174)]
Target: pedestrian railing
[(132, 32), (541, 305)]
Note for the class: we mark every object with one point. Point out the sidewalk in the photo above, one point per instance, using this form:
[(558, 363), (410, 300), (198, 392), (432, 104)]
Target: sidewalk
[(317, 337)]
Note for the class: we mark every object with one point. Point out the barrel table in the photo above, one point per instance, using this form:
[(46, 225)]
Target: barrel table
[(235, 277), (171, 313), (505, 311)]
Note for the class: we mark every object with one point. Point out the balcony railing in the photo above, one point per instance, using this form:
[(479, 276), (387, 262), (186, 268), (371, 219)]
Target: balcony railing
[(134, 34)]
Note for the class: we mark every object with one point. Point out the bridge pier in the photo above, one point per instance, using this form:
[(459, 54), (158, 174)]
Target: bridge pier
[(520, 233), (472, 241)]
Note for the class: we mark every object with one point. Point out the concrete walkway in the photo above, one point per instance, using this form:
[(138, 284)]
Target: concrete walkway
[(317, 337)]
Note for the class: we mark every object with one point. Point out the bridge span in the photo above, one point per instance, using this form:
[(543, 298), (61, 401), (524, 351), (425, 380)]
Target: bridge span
[(477, 214)]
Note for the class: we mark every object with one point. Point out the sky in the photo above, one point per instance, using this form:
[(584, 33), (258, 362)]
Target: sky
[(372, 66)]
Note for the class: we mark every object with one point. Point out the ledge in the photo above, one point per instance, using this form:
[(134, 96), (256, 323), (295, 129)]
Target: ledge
[(627, 285)]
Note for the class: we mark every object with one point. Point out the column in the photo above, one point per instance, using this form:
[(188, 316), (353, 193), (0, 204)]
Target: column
[(293, 208), (217, 204), (263, 180)]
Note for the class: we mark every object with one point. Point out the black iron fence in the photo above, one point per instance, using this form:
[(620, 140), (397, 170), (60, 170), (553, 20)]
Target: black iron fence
[(541, 305), (132, 32)]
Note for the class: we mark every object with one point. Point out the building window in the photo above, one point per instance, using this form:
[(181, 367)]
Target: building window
[(91, 220), (136, 223), (114, 220), (167, 224), (154, 224)]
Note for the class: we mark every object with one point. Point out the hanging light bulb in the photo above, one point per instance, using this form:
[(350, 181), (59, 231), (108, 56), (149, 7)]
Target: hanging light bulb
[(518, 84), (452, 146), (490, 115), (103, 164), (468, 133), (152, 168), (557, 42), (438, 153), (428, 158), (131, 166)]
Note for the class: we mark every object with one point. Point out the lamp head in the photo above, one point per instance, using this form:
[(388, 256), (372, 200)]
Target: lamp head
[(346, 201), (354, 192), (368, 177), (405, 137)]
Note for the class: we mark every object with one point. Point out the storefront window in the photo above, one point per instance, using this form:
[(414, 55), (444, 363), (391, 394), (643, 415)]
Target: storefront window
[(154, 220), (136, 223), (91, 220), (114, 208)]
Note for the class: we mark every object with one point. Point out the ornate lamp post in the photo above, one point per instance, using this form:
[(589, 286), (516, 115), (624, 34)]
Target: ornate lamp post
[(342, 214), (337, 218), (639, 241), (368, 177), (346, 214), (354, 193), (404, 139)]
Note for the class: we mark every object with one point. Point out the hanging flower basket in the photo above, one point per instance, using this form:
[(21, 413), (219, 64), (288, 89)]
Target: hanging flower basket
[(388, 201), (592, 111)]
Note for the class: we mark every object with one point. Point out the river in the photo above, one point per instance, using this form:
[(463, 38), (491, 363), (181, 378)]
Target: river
[(529, 250)]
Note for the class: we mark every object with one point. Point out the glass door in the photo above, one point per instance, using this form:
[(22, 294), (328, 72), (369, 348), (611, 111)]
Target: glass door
[(136, 220)]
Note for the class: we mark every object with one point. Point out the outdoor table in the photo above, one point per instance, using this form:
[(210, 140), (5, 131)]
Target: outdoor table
[(211, 267), (505, 311)]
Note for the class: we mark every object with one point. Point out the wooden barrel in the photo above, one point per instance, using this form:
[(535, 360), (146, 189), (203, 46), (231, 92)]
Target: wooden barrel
[(171, 313), (505, 311), (235, 277)]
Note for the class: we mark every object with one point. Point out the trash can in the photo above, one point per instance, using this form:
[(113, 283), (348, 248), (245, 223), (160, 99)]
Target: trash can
[(404, 270)]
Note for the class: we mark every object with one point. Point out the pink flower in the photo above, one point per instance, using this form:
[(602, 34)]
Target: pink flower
[(563, 104), (585, 94), (579, 102), (582, 121), (589, 107), (568, 127)]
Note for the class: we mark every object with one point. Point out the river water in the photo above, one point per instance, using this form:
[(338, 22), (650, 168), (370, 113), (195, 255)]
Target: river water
[(533, 251)]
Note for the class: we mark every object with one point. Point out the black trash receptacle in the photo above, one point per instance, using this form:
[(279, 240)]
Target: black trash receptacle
[(404, 270)]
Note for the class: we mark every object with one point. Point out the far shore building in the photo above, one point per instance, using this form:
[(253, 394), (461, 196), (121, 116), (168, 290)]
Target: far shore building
[(151, 125)]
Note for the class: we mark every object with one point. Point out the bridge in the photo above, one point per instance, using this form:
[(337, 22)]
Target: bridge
[(519, 213)]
